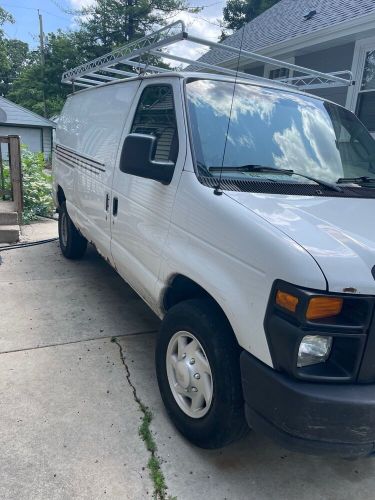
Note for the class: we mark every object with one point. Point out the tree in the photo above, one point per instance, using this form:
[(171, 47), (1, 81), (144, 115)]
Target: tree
[(5, 17), (14, 54), (237, 13), (110, 23), (101, 27), (62, 52)]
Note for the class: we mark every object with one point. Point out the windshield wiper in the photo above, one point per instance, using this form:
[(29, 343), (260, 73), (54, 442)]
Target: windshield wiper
[(364, 179), (251, 168), (261, 168)]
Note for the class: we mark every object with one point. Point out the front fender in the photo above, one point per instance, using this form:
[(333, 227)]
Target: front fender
[(235, 256)]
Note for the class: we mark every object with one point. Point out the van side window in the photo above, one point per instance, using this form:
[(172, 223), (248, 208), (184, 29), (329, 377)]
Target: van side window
[(155, 116)]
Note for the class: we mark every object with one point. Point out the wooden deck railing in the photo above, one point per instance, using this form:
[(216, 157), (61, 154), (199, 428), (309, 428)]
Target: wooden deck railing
[(15, 173)]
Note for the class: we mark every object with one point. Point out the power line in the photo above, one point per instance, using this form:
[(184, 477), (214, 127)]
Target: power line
[(34, 9), (208, 21), (70, 12), (209, 5)]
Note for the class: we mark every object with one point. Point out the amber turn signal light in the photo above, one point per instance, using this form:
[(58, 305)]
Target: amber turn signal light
[(287, 301), (323, 307)]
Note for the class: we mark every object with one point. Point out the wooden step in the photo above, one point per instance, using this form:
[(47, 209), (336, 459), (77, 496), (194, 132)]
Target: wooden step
[(9, 233), (8, 218)]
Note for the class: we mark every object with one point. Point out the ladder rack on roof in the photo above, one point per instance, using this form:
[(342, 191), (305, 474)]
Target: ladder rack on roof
[(135, 56)]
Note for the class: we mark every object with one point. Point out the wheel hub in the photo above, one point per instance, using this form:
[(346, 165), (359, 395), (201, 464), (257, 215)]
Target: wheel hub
[(189, 374), (183, 374)]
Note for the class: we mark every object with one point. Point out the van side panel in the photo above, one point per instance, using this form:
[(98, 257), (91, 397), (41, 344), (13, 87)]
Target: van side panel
[(235, 256), (90, 127), (145, 207)]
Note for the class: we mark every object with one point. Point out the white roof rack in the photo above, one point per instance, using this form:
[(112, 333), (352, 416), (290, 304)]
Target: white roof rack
[(134, 56)]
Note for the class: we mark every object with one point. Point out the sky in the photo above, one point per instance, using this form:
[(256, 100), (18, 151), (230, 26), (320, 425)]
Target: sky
[(56, 15)]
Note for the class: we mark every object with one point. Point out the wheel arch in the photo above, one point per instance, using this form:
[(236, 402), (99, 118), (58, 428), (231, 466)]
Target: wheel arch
[(181, 288), (60, 196)]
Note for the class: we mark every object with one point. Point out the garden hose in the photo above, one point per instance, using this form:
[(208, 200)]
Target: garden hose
[(31, 243), (25, 245)]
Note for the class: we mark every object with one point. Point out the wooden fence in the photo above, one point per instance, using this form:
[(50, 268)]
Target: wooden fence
[(11, 188)]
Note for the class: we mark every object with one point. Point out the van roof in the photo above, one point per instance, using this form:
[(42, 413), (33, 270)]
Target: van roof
[(263, 82), (184, 75)]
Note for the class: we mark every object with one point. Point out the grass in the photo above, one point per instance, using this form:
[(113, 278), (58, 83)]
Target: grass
[(153, 464), (156, 474)]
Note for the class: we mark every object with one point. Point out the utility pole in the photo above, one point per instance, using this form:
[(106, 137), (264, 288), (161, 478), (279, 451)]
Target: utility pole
[(130, 4), (42, 60)]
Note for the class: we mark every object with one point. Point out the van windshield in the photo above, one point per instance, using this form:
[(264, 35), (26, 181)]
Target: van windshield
[(279, 130)]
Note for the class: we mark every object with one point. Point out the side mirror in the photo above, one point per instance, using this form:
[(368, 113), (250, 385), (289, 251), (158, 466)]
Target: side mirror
[(136, 159)]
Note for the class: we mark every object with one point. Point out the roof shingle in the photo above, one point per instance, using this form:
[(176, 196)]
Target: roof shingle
[(12, 113), (285, 21)]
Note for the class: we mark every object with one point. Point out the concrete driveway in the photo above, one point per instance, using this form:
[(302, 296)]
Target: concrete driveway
[(71, 401)]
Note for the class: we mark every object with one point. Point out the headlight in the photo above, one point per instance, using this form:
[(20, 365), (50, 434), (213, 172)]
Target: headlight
[(316, 335), (313, 349)]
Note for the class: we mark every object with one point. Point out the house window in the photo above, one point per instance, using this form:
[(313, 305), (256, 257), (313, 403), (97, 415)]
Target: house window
[(366, 95), (275, 74), (279, 72)]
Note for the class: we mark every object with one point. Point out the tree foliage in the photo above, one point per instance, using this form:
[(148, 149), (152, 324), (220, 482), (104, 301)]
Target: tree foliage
[(237, 13), (13, 60), (37, 187), (102, 26), (111, 23), (13, 54), (5, 17), (36, 183), (61, 53)]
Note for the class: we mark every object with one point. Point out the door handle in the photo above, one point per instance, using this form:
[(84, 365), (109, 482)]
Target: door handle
[(115, 206), (107, 202)]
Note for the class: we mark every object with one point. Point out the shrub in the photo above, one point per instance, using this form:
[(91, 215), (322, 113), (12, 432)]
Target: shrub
[(37, 186)]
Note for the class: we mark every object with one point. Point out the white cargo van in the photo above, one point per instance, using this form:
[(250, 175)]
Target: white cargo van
[(242, 215)]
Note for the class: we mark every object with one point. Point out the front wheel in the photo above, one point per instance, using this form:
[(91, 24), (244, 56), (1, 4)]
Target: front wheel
[(72, 243), (198, 371)]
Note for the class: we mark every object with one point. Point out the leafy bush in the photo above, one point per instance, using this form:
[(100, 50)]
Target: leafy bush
[(37, 186)]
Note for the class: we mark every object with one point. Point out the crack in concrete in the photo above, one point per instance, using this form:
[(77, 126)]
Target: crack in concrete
[(154, 463), (133, 334)]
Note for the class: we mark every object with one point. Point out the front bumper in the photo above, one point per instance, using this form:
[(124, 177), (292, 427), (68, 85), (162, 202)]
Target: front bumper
[(315, 418)]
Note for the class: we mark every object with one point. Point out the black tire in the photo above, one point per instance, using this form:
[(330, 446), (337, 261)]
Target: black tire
[(73, 245), (225, 420)]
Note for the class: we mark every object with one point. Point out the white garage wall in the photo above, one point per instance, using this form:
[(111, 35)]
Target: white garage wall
[(31, 137), (47, 142)]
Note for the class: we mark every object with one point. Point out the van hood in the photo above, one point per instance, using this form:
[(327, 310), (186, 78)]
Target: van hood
[(339, 233)]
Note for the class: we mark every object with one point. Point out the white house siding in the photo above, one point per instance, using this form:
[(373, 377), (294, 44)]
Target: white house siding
[(339, 58), (333, 59), (47, 142)]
